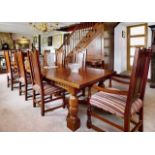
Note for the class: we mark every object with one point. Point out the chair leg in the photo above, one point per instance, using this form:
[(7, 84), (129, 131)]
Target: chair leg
[(83, 92), (8, 81), (64, 101), (141, 118), (101, 84), (25, 92), (42, 106), (51, 97), (34, 98), (127, 124), (110, 83), (11, 84), (89, 122), (20, 88)]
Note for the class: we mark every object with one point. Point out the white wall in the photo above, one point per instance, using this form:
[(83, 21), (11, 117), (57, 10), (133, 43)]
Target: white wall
[(120, 47), (120, 54), (44, 44)]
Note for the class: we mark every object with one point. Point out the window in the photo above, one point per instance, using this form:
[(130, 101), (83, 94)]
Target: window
[(137, 37)]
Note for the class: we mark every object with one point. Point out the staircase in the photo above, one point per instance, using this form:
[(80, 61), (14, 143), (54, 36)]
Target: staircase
[(80, 38)]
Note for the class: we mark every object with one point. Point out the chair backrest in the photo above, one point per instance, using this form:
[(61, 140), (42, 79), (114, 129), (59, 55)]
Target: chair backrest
[(8, 61), (15, 59), (49, 58), (138, 76), (60, 58), (81, 58), (20, 62), (30, 66), (35, 69)]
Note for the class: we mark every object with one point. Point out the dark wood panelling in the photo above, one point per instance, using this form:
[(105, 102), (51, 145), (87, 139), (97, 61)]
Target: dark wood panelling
[(95, 49), (152, 84), (103, 47)]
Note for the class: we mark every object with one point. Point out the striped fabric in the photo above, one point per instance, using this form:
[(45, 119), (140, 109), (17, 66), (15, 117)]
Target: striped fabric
[(48, 89), (14, 75), (28, 78), (113, 103), (22, 80)]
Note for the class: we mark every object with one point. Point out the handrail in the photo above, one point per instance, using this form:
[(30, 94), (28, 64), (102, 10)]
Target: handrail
[(67, 39)]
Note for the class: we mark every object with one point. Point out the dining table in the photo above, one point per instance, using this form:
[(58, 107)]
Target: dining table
[(73, 82)]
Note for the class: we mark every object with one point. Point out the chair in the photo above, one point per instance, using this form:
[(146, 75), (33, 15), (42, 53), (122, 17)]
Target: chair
[(12, 72), (81, 58), (49, 58), (122, 80), (60, 58), (46, 90), (123, 104), (14, 61), (24, 77)]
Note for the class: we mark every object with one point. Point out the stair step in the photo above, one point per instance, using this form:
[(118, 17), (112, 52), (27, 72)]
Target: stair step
[(80, 38)]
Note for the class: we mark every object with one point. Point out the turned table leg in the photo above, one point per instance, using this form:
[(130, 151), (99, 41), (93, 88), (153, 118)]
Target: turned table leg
[(73, 122)]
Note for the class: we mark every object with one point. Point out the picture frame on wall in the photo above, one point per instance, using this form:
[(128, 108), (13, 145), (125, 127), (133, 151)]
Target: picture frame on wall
[(66, 36), (50, 41), (123, 34)]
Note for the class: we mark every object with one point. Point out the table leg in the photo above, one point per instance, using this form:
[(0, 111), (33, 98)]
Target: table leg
[(73, 122)]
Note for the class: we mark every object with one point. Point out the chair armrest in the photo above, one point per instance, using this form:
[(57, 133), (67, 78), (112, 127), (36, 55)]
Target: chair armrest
[(122, 76), (121, 79), (118, 92)]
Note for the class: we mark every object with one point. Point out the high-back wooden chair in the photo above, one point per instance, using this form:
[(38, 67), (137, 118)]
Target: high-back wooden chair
[(123, 104), (15, 61), (24, 77), (29, 66), (81, 58), (45, 89), (49, 58), (118, 81), (60, 58), (12, 72)]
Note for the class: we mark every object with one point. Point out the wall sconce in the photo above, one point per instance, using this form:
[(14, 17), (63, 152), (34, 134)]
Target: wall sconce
[(123, 34)]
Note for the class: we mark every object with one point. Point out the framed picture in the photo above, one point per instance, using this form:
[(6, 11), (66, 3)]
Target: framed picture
[(123, 34), (50, 40), (35, 39), (35, 42), (66, 35)]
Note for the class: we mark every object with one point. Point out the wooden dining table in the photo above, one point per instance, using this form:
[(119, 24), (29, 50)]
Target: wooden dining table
[(73, 83)]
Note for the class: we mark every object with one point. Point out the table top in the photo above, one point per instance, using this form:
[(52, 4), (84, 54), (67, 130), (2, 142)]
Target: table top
[(78, 80)]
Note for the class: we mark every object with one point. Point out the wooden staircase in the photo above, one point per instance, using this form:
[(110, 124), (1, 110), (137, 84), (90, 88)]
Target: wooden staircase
[(80, 38)]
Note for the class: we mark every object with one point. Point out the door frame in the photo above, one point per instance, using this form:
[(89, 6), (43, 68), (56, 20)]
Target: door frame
[(128, 41)]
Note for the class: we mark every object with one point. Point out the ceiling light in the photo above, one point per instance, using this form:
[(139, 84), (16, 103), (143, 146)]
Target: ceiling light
[(45, 27)]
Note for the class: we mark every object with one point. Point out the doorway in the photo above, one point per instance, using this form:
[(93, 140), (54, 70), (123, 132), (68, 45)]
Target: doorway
[(136, 37)]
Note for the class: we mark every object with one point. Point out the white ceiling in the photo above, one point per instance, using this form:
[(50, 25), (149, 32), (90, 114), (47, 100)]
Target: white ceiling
[(24, 27), (136, 23), (131, 23)]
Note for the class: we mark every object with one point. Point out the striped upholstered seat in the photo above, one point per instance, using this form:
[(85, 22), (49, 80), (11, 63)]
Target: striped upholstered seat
[(48, 89), (15, 75), (113, 103), (28, 78)]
